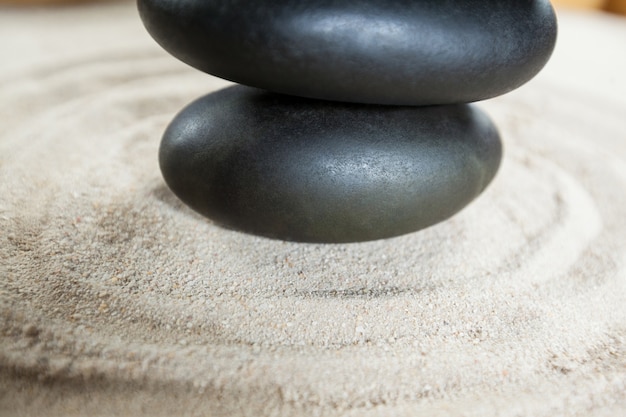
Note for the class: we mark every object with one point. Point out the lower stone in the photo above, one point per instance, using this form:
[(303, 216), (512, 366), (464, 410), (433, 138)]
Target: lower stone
[(316, 171)]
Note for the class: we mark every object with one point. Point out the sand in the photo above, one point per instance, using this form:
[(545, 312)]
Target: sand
[(116, 299)]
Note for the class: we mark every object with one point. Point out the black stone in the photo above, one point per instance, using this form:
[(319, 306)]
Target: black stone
[(403, 52), (308, 170)]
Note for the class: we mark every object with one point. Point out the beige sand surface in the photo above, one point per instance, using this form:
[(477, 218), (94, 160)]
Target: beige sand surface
[(115, 299)]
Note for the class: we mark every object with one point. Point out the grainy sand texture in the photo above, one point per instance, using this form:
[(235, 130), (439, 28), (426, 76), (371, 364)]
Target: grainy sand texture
[(116, 299)]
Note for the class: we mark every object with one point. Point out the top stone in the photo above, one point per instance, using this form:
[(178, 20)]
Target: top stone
[(402, 52)]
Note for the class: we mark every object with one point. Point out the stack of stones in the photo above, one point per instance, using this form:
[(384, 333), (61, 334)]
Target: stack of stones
[(352, 124)]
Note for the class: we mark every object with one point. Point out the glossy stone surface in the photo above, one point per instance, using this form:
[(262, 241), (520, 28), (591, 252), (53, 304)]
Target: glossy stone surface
[(403, 52), (308, 170)]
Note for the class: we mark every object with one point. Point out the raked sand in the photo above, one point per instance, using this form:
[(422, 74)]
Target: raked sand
[(116, 299)]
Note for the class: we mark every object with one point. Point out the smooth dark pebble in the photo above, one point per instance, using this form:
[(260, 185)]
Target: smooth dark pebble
[(307, 170), (402, 52)]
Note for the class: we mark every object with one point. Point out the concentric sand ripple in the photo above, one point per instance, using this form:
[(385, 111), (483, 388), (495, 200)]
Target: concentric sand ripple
[(113, 290)]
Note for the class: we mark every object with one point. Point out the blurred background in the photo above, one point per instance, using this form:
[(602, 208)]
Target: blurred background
[(614, 6)]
